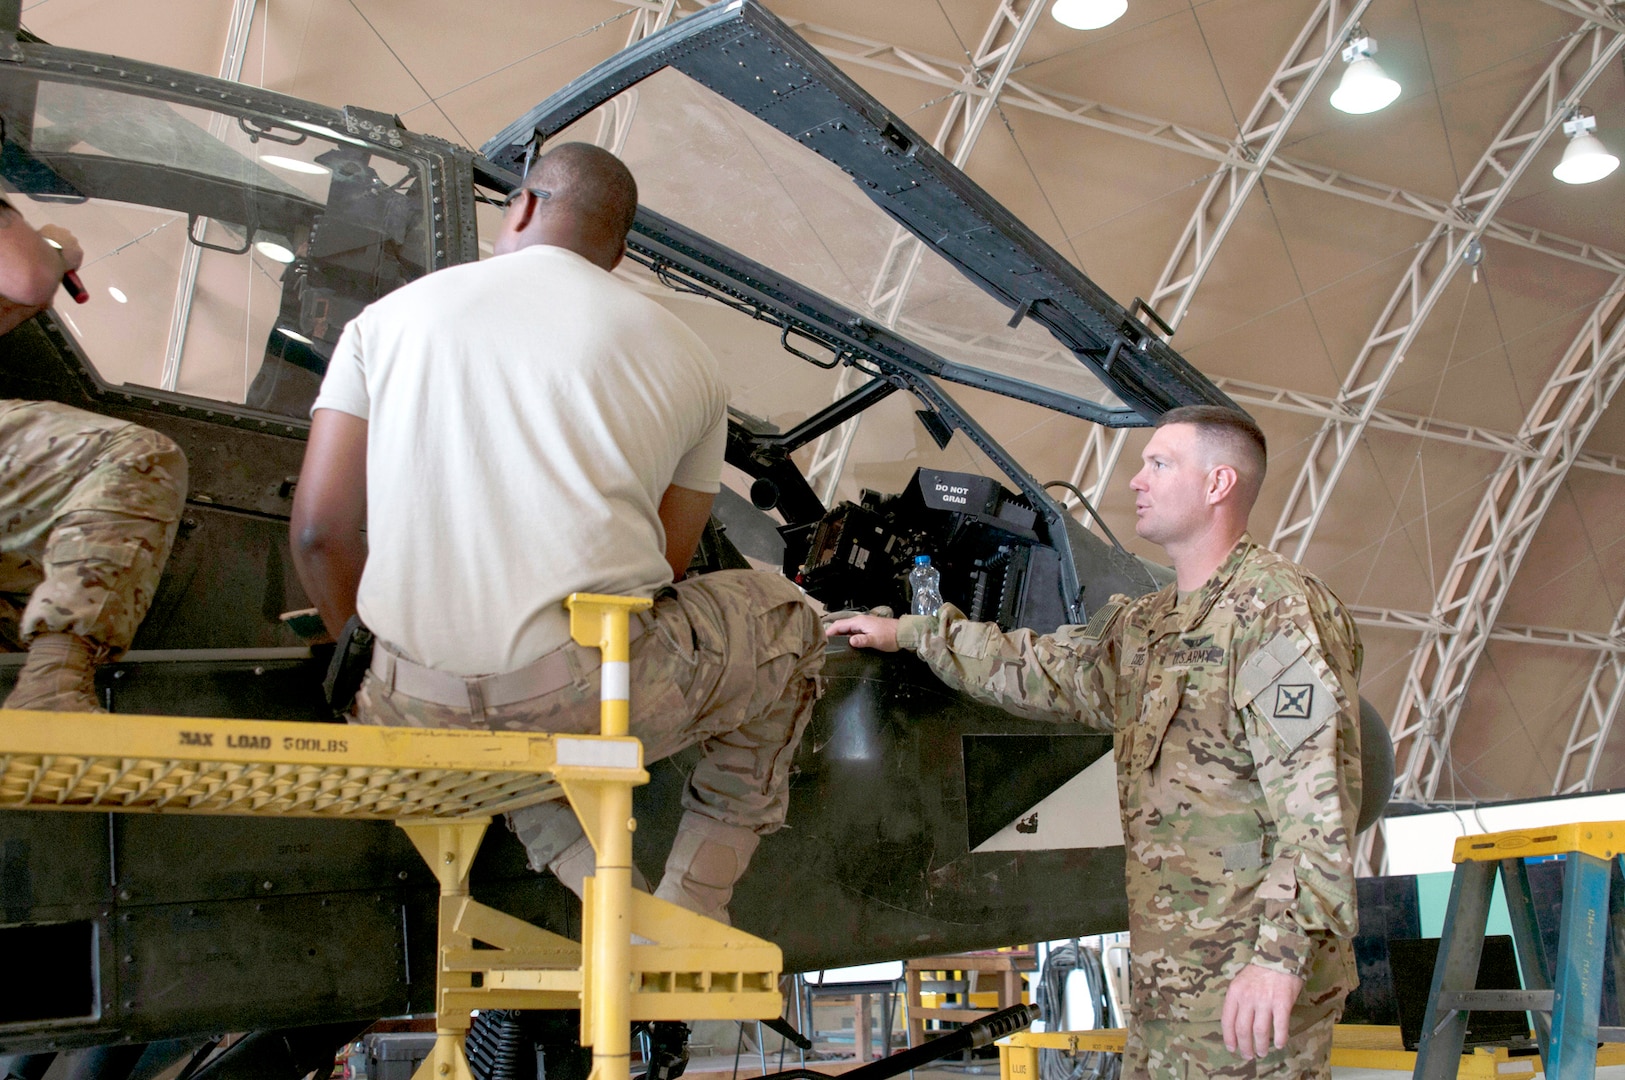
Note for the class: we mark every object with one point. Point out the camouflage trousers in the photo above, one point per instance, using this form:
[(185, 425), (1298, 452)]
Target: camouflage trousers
[(1183, 1050), (727, 661), (89, 506)]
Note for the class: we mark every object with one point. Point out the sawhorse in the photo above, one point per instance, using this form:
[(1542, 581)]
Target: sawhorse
[(442, 787), (1565, 1007)]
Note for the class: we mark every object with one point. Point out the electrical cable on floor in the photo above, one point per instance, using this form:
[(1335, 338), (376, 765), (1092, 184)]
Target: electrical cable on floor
[(1061, 962)]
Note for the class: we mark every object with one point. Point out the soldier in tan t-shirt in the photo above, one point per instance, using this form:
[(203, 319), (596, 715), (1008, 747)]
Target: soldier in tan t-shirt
[(1233, 699), (497, 435)]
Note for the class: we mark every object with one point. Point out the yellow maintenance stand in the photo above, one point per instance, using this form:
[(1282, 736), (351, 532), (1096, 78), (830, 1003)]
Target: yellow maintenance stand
[(442, 787)]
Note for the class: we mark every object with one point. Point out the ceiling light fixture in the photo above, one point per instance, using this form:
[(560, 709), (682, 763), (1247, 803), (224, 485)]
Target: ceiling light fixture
[(1585, 159), (274, 251), (1365, 87), (294, 164), (1088, 14), (117, 294)]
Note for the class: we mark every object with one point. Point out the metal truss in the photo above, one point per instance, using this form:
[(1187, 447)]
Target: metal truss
[(829, 453), (990, 69), (1495, 544), (1099, 454), (1603, 14), (1289, 89), (856, 51), (1587, 640), (1421, 622), (180, 313), (1093, 473), (616, 122), (1490, 182), (1257, 395), (1295, 79), (967, 114), (1593, 719)]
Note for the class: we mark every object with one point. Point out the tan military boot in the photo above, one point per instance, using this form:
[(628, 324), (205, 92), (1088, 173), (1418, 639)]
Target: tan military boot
[(59, 675), (554, 841), (706, 859), (572, 866)]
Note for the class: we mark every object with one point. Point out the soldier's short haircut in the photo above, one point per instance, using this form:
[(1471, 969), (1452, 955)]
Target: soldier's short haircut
[(1234, 434), (589, 181)]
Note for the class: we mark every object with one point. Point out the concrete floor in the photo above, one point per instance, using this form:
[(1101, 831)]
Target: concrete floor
[(721, 1068)]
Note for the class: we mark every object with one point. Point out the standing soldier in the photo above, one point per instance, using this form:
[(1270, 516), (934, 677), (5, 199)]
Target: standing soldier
[(1233, 699), (89, 506)]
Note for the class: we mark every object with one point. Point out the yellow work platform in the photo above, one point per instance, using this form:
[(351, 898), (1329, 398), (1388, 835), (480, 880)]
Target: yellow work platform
[(442, 787), (164, 764), (1355, 1046), (1599, 839)]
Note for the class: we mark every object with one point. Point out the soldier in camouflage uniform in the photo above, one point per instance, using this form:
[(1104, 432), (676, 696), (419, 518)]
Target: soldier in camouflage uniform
[(513, 431), (1232, 696), (89, 506)]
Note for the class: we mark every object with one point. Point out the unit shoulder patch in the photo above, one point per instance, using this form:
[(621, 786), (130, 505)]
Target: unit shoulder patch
[(1284, 687)]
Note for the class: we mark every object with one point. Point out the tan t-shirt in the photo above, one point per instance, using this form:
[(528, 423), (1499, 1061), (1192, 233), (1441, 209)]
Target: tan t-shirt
[(525, 416)]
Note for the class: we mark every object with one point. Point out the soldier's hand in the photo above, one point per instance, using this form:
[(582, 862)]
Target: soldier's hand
[(866, 632), (73, 256), (1257, 1009)]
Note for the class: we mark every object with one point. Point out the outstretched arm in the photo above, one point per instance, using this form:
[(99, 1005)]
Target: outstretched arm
[(866, 632), (1068, 676)]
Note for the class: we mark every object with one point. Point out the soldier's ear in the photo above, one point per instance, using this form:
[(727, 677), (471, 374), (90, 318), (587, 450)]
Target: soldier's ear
[(1222, 483)]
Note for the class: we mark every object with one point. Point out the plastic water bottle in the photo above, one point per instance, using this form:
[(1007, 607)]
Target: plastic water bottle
[(926, 584)]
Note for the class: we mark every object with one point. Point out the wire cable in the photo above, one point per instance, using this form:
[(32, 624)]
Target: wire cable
[(1084, 502), (411, 75), (1059, 964)]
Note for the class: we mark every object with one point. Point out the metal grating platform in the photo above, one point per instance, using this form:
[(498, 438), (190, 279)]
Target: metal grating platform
[(442, 787), (155, 764)]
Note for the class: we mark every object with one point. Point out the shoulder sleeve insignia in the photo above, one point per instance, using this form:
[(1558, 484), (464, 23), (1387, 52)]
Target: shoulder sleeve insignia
[(1101, 621), (1283, 687)]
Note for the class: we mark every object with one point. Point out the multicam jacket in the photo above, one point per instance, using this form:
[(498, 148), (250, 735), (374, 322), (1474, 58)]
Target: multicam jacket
[(1236, 720)]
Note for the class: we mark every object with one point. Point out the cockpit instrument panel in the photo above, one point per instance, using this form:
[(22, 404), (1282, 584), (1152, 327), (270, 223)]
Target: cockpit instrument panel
[(983, 538)]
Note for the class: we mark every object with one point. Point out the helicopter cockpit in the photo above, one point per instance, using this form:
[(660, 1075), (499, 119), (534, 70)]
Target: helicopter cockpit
[(230, 236)]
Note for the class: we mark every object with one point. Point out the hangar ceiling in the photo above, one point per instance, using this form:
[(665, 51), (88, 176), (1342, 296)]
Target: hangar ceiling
[(1429, 327)]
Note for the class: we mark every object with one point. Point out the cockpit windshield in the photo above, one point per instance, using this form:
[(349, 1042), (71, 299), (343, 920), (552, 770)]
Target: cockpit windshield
[(224, 251), (709, 164), (754, 139)]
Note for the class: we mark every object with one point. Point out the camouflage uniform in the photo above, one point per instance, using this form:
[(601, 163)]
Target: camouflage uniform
[(1175, 1050), (1236, 720), (89, 506), (727, 660)]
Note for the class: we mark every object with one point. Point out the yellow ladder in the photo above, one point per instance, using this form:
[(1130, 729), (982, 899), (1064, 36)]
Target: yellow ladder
[(1564, 993), (442, 787)]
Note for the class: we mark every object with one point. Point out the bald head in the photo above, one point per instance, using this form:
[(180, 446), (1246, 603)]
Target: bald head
[(576, 196), (1228, 437)]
